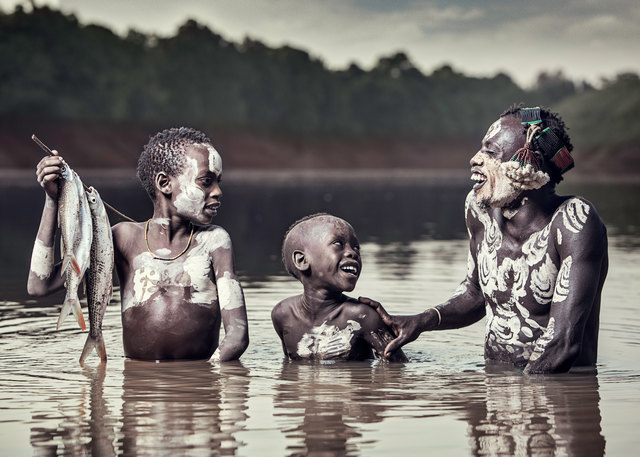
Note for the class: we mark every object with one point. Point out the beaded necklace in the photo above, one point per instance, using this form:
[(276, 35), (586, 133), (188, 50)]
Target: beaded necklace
[(146, 240)]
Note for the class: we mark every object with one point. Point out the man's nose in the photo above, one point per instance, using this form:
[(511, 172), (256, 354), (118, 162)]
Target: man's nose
[(476, 160)]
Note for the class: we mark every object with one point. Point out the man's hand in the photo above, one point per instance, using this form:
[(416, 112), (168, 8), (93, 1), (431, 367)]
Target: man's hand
[(406, 328), (47, 172)]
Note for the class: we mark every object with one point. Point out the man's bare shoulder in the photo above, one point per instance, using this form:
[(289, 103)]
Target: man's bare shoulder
[(576, 219)]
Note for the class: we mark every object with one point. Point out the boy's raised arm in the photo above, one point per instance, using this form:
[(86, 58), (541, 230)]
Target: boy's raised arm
[(44, 277), (232, 305)]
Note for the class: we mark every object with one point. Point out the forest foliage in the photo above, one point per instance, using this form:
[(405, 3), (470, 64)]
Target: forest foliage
[(53, 66)]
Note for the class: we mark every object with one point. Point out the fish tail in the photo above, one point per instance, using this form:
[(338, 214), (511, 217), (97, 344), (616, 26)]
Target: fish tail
[(92, 343), (70, 258), (71, 305)]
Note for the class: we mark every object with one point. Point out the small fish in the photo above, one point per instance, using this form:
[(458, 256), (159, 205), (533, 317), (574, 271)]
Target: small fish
[(68, 218), (68, 209), (99, 275)]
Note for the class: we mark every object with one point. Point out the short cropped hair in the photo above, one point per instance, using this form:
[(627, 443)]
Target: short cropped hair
[(165, 152), (291, 243), (553, 121)]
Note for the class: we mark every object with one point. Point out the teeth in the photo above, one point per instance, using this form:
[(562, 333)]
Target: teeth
[(350, 269), (478, 177)]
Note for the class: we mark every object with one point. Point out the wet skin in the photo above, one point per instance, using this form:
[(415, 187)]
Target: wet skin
[(170, 309), (537, 264), (323, 323)]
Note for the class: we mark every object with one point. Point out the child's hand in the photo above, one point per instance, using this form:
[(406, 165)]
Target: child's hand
[(48, 171), (406, 328)]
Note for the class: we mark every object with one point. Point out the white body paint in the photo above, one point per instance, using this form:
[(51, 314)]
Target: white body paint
[(42, 260), (193, 271), (328, 341), (230, 292), (531, 273)]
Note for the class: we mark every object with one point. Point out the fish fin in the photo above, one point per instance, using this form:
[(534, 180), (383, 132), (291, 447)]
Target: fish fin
[(71, 305), (92, 343), (75, 265), (70, 259)]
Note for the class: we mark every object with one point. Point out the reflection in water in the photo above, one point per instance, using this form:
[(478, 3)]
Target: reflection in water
[(323, 406), (537, 416), (87, 427), (167, 409), (176, 406)]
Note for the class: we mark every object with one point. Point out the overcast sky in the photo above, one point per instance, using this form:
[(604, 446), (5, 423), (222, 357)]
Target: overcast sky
[(586, 39)]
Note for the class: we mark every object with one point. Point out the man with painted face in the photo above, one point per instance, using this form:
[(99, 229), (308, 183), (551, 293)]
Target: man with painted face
[(537, 260), (176, 271)]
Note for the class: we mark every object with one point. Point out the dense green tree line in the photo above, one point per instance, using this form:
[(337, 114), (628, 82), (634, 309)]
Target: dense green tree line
[(53, 66)]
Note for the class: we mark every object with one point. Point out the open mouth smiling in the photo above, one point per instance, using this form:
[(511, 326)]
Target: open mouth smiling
[(351, 269), (479, 178)]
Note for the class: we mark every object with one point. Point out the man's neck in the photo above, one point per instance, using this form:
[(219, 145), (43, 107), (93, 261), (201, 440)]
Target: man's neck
[(530, 212)]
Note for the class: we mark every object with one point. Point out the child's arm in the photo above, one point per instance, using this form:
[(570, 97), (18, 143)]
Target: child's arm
[(231, 299), (44, 277), (277, 314)]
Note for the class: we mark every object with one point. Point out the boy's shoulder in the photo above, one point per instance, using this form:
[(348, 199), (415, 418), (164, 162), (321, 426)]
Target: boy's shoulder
[(284, 308), (126, 234), (364, 314)]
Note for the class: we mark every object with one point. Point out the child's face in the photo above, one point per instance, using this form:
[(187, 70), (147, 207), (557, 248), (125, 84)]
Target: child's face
[(333, 251), (197, 192)]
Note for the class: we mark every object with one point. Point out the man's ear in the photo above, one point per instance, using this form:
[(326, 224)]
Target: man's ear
[(300, 260), (163, 183)]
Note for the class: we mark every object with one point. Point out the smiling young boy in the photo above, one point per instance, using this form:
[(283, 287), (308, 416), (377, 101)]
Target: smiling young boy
[(176, 271), (323, 253)]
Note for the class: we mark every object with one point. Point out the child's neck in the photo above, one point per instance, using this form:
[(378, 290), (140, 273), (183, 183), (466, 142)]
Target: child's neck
[(317, 303), (169, 226)]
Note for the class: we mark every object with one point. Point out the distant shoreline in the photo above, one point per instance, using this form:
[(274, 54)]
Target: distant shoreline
[(293, 176)]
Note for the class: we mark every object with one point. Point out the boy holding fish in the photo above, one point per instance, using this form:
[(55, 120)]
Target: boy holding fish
[(176, 271)]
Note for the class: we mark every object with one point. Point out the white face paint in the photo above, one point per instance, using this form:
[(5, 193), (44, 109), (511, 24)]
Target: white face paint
[(42, 259), (190, 199), (215, 161), (506, 181), (493, 130), (328, 341)]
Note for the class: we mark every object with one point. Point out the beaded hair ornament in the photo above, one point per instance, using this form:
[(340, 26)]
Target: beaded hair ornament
[(548, 142)]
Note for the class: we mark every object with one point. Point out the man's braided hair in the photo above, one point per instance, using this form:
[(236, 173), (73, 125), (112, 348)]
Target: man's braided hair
[(553, 121)]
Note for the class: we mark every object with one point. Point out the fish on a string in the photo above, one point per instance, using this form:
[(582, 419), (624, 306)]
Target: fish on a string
[(87, 251)]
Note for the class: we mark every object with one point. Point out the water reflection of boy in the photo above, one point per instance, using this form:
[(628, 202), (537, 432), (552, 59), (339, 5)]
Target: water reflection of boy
[(176, 271), (183, 408), (323, 253), (537, 260), (324, 412)]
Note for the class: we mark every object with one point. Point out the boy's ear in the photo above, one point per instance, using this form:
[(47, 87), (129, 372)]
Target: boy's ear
[(300, 260), (163, 183)]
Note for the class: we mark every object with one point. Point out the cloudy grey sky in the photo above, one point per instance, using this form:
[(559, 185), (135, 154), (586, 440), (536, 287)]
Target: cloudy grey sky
[(586, 39)]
